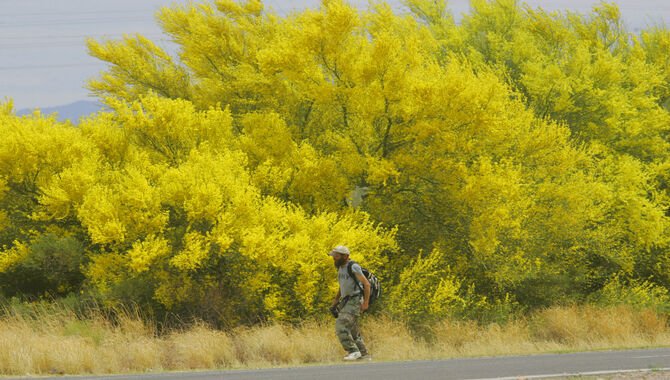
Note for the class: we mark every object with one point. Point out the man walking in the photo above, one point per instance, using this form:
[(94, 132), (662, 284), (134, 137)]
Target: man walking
[(349, 303)]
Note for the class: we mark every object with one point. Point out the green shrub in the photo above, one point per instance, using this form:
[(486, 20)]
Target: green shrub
[(52, 267), (639, 294)]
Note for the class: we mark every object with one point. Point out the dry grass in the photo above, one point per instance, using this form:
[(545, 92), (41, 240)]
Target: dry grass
[(57, 342)]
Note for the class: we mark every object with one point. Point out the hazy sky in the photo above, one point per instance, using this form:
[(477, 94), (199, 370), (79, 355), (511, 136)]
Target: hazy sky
[(43, 58)]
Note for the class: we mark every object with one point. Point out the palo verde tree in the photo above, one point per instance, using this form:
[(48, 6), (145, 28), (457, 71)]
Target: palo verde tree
[(220, 175), (159, 208), (448, 132)]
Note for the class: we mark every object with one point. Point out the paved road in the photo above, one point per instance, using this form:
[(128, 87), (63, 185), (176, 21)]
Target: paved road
[(511, 367)]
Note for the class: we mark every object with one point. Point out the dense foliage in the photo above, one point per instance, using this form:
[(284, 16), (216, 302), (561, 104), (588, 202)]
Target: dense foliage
[(516, 159)]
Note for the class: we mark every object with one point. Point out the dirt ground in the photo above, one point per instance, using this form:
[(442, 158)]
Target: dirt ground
[(640, 375)]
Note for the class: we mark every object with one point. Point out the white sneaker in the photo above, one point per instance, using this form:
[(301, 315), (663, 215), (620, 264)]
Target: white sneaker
[(353, 356)]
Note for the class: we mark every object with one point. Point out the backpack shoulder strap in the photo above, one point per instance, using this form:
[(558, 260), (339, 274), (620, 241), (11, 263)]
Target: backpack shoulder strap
[(351, 274)]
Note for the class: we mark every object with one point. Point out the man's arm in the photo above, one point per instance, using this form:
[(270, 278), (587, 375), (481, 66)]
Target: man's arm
[(366, 291), (337, 298)]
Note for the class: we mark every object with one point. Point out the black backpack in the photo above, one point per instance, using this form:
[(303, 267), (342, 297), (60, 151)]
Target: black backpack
[(375, 285)]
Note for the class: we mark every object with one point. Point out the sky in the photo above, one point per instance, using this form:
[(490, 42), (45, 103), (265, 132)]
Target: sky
[(44, 61)]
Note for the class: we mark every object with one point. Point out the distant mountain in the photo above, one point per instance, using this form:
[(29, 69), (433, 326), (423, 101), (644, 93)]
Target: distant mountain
[(73, 111)]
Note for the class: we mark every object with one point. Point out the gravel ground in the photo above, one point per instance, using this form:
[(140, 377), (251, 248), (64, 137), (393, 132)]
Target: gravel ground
[(641, 375)]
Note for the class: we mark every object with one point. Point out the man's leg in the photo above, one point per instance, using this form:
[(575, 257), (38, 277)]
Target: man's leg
[(358, 338), (361, 346), (344, 325)]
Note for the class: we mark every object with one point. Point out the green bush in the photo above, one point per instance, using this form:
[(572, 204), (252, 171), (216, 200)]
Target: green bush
[(52, 267), (635, 293)]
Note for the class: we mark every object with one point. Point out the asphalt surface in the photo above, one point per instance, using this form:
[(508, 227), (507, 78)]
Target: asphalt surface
[(508, 367)]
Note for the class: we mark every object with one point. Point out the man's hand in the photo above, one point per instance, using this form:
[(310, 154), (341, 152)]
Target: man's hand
[(364, 307), (333, 311)]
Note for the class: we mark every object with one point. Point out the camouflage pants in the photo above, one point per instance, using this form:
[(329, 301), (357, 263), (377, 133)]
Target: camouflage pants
[(346, 326)]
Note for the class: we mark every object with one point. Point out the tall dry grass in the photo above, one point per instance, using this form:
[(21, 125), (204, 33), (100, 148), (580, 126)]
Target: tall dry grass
[(54, 341)]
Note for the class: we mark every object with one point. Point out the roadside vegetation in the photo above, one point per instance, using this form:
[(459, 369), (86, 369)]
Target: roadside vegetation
[(43, 339), (506, 176)]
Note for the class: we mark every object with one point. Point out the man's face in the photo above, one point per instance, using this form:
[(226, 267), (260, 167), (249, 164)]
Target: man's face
[(339, 259)]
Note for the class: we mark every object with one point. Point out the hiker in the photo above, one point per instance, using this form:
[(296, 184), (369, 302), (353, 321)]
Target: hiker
[(349, 303)]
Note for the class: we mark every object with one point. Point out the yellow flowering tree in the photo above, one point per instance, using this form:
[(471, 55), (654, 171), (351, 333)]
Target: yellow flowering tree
[(449, 132), (156, 205), (525, 150)]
